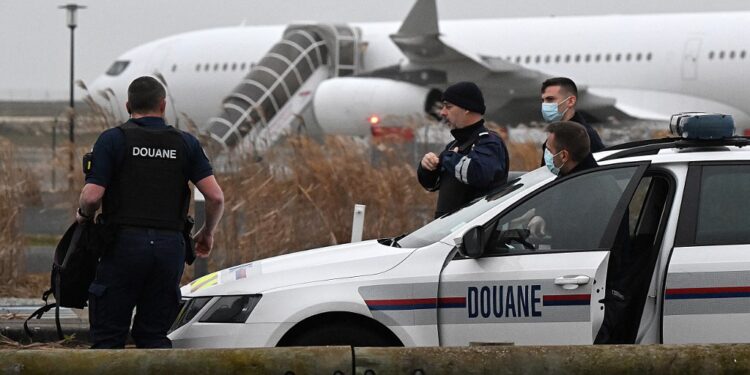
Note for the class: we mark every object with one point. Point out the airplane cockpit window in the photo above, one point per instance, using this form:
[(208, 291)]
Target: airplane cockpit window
[(117, 67)]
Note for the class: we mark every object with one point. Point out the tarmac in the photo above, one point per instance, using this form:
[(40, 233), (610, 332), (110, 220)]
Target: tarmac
[(14, 311)]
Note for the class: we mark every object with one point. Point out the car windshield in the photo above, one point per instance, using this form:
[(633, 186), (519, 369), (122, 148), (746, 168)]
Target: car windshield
[(443, 226)]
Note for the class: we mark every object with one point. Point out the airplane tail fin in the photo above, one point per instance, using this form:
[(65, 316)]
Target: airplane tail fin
[(422, 20)]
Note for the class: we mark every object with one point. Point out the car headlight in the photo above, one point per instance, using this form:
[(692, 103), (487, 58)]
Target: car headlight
[(231, 309), (189, 310)]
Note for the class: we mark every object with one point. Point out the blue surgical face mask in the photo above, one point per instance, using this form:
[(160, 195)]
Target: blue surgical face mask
[(549, 161), (550, 112)]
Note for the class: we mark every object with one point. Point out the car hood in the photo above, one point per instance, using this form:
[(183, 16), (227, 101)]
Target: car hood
[(333, 262)]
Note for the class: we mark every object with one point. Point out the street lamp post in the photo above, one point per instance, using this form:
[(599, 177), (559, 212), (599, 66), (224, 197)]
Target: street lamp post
[(71, 10)]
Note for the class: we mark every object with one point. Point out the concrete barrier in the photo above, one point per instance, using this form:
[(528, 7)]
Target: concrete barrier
[(616, 359), (604, 359), (283, 361)]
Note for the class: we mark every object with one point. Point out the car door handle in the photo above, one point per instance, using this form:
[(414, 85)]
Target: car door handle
[(572, 282)]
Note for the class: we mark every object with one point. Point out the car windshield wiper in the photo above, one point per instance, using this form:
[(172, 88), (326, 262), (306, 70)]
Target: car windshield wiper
[(393, 242)]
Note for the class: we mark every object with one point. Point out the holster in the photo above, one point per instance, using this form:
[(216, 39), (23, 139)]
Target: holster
[(187, 234)]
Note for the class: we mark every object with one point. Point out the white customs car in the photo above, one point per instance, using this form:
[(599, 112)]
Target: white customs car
[(652, 246)]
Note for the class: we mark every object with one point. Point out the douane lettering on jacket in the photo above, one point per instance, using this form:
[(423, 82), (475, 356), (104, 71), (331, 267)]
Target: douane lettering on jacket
[(155, 152)]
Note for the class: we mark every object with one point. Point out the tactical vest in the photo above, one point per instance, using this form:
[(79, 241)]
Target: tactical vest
[(150, 187), (453, 193)]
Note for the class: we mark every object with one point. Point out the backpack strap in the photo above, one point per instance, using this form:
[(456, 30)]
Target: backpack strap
[(47, 307)]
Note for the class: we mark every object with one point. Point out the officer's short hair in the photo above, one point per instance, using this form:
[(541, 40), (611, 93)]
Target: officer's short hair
[(565, 83), (571, 136), (145, 94)]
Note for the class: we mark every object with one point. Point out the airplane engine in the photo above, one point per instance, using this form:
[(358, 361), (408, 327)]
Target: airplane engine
[(356, 106)]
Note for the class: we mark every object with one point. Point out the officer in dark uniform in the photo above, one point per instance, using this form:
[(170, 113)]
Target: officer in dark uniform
[(139, 175), (559, 99), (472, 165)]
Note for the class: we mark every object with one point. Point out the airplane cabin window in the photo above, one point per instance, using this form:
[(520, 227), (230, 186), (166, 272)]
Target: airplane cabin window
[(224, 67), (617, 57), (578, 58), (528, 59), (117, 67), (242, 66), (547, 59), (598, 57), (638, 56), (557, 58), (197, 67), (234, 66), (648, 56), (206, 67), (742, 54), (567, 58), (174, 68), (588, 57), (731, 54), (607, 57), (721, 55), (627, 57), (216, 66), (518, 59), (711, 55), (538, 58)]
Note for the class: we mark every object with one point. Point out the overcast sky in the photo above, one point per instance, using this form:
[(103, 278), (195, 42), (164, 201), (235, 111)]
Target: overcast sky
[(34, 38)]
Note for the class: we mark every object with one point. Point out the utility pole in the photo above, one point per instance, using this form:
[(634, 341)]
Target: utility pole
[(72, 23)]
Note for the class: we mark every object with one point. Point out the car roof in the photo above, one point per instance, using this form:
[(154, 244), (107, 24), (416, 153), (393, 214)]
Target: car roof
[(676, 150)]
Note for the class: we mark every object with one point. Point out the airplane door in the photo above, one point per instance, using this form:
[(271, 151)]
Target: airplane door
[(706, 296), (546, 289), (690, 59)]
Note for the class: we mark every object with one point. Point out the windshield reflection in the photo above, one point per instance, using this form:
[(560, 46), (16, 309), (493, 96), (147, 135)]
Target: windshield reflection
[(443, 226)]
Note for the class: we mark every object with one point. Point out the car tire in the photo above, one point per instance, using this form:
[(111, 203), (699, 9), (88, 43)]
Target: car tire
[(346, 334)]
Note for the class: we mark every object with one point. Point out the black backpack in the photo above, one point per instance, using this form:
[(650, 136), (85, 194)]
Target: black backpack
[(73, 270)]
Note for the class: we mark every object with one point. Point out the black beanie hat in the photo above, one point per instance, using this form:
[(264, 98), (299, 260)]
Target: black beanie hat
[(465, 95)]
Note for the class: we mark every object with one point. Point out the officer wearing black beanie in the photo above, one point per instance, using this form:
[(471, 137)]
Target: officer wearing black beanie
[(474, 163)]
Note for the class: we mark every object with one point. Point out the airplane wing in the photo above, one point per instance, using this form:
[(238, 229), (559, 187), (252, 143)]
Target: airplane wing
[(511, 91)]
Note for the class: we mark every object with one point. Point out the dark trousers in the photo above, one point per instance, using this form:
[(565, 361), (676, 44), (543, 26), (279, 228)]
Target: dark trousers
[(142, 270)]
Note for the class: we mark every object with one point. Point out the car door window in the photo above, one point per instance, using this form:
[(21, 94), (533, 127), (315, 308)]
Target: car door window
[(723, 206), (571, 215)]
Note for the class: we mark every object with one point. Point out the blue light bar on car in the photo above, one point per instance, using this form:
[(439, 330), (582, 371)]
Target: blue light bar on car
[(700, 125)]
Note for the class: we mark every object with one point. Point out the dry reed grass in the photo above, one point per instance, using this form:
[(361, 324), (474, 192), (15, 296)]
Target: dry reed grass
[(17, 187), (303, 195)]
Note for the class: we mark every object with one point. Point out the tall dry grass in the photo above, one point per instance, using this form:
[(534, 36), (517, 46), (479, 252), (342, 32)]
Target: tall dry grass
[(17, 187), (303, 195)]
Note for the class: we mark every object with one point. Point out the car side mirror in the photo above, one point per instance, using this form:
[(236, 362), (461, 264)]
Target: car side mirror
[(471, 243)]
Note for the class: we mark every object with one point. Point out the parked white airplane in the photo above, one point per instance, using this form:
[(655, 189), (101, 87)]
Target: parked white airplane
[(263, 81)]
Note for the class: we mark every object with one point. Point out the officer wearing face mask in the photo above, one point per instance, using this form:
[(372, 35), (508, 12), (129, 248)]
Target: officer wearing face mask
[(566, 152), (472, 165), (559, 99), (567, 149)]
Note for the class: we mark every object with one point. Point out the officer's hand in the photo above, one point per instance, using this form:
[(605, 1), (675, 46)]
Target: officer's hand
[(538, 227), (430, 161), (204, 242)]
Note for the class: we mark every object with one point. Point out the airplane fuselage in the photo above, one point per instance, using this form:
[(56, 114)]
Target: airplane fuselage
[(654, 65)]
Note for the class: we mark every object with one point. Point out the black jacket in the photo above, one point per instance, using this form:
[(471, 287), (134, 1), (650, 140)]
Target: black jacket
[(479, 166)]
